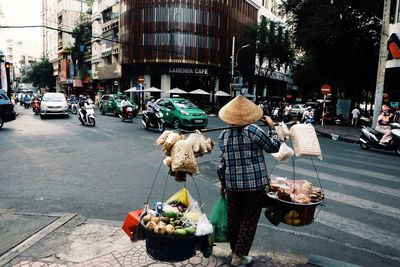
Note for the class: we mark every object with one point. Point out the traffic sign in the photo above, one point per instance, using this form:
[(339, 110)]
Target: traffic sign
[(326, 89)]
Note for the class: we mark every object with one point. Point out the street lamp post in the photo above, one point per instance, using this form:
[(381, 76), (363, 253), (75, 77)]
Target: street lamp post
[(237, 53)]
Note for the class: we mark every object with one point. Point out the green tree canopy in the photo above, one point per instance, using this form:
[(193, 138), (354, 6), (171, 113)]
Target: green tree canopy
[(41, 75), (339, 43), (274, 47)]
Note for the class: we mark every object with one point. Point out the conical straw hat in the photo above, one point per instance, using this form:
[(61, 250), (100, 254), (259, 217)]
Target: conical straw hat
[(240, 111)]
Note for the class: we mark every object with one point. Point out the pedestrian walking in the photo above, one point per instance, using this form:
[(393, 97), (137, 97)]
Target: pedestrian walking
[(355, 113), (243, 172)]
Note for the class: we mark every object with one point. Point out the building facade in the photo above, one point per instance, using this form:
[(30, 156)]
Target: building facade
[(60, 17), (106, 67), (184, 44)]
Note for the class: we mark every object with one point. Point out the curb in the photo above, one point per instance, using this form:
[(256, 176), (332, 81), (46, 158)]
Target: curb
[(341, 138)]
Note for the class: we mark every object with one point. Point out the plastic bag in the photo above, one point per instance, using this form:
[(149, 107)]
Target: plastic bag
[(181, 196), (204, 227), (284, 153), (282, 131), (219, 219)]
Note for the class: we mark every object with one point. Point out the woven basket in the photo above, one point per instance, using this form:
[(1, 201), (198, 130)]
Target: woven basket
[(172, 248), (304, 140)]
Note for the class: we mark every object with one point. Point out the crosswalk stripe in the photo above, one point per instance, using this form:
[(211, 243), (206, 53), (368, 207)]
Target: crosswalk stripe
[(361, 153), (363, 162), (363, 204), (338, 179), (327, 240), (377, 175), (359, 229)]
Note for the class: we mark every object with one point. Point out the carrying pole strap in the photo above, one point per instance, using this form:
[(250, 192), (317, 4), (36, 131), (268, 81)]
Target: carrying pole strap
[(154, 182)]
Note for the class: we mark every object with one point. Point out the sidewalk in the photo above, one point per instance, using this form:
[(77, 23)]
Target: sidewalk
[(72, 240), (345, 133)]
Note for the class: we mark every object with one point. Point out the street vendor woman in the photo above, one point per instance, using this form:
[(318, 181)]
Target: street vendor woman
[(243, 172)]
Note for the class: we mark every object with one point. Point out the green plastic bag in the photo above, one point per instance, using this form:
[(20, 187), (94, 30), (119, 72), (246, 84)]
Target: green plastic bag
[(219, 219)]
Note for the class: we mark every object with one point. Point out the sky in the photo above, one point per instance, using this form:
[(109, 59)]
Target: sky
[(22, 12)]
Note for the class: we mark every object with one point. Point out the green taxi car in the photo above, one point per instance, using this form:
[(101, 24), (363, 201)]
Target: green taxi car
[(111, 103), (182, 113)]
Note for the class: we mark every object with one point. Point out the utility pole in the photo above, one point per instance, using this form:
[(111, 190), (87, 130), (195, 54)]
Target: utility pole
[(233, 58), (380, 78)]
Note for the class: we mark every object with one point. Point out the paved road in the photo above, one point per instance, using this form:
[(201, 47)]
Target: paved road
[(57, 165)]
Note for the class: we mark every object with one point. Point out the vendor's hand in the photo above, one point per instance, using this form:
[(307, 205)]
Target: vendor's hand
[(268, 121), (222, 191)]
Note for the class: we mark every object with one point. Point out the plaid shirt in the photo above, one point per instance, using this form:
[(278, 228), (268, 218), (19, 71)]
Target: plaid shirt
[(242, 154)]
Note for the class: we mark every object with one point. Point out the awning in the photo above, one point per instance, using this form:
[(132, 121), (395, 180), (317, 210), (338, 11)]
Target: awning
[(77, 83), (221, 93), (177, 91), (198, 92)]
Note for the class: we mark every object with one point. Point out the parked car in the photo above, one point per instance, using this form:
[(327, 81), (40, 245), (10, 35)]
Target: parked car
[(7, 112), (111, 103), (53, 104), (298, 110), (182, 113)]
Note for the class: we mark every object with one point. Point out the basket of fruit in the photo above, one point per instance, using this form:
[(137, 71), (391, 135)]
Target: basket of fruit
[(171, 236)]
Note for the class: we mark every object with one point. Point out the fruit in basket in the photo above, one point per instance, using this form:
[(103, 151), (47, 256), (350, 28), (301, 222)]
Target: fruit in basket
[(179, 232), (165, 220), (291, 218), (147, 218), (151, 225), (160, 228), (170, 214), (190, 230), (169, 229), (155, 219)]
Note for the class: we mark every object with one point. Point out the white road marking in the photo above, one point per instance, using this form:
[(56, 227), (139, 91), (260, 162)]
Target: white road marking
[(338, 179)]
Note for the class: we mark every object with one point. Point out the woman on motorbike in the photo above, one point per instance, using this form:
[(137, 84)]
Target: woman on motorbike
[(383, 125)]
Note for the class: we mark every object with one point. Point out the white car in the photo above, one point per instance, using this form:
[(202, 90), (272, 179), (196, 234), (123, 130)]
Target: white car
[(298, 110), (53, 104)]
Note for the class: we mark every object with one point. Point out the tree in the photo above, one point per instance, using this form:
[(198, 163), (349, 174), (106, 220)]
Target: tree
[(339, 44), (82, 34), (41, 75), (274, 47)]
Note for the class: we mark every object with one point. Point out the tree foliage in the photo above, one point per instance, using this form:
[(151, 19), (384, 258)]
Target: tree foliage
[(274, 47), (82, 34), (41, 75), (339, 43)]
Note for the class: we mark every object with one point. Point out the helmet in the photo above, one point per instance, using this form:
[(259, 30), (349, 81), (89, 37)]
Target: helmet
[(152, 98), (309, 107)]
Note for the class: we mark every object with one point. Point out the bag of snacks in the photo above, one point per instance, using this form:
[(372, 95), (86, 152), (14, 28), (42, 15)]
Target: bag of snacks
[(183, 159), (305, 141)]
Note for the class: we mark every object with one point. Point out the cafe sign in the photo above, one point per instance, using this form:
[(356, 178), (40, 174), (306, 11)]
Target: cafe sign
[(189, 71)]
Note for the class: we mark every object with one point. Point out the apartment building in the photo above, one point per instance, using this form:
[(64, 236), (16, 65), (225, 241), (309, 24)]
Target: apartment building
[(106, 67), (60, 17)]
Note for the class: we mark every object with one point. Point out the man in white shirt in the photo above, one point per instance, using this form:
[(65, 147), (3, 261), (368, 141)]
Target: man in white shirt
[(355, 114)]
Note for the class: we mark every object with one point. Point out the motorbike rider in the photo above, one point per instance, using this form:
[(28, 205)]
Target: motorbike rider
[(152, 108), (82, 105), (27, 99), (308, 115), (383, 125), (124, 104)]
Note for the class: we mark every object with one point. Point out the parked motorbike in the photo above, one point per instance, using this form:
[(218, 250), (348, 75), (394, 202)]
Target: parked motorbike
[(36, 107), (86, 115), (127, 114), (370, 138), (153, 121)]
